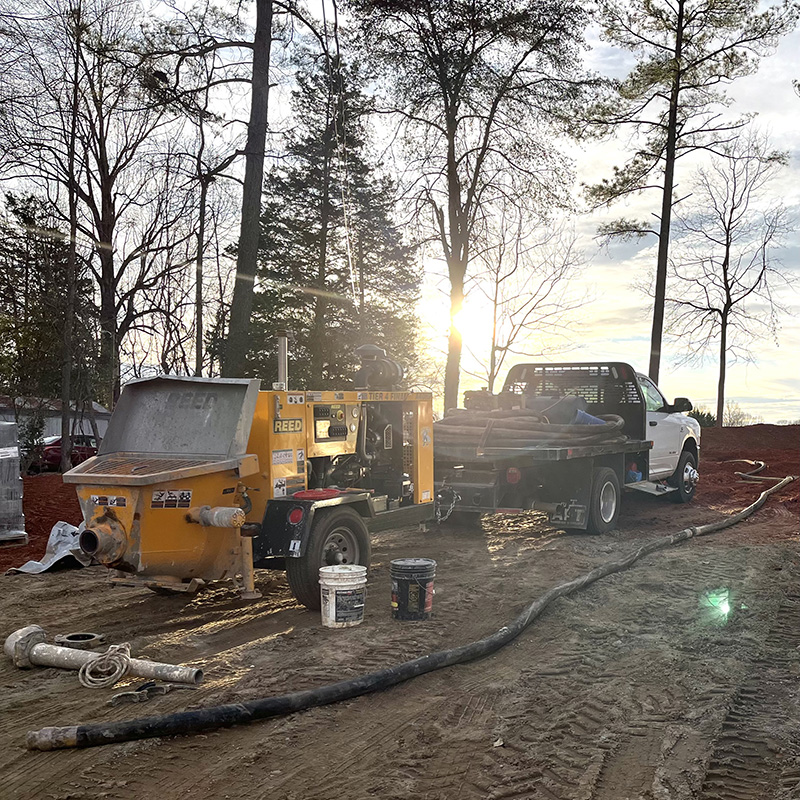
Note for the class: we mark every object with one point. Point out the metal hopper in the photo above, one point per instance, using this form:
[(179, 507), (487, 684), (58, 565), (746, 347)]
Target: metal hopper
[(162, 500)]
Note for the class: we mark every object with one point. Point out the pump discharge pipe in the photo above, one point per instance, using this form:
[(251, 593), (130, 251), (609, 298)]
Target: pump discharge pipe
[(27, 648)]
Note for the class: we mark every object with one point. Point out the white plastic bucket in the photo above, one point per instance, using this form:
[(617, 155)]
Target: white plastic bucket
[(343, 590)]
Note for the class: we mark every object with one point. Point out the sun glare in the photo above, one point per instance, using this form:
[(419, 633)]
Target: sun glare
[(474, 323)]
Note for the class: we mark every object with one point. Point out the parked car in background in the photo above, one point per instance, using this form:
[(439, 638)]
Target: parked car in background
[(83, 447)]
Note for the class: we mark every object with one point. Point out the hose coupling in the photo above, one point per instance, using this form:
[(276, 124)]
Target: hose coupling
[(104, 540), (218, 517)]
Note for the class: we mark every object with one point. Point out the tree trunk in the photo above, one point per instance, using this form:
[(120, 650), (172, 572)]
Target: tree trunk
[(454, 343), (666, 204), (109, 372), (493, 366), (72, 271), (723, 348), (234, 362), (362, 327), (198, 279), (456, 265), (321, 301)]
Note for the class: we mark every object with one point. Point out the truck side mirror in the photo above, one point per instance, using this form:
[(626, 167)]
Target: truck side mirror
[(682, 404)]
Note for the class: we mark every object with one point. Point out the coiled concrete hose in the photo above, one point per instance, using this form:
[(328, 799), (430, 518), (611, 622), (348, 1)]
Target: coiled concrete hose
[(521, 428), (233, 714)]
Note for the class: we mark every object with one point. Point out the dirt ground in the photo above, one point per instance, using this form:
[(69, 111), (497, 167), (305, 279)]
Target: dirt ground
[(640, 687)]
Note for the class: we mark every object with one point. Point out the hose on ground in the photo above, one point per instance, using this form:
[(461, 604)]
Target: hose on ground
[(221, 716), (107, 668), (752, 475)]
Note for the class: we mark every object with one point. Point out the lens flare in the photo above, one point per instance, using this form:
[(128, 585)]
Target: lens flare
[(718, 601)]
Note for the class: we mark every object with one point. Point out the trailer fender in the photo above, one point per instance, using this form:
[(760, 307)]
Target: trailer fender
[(287, 523)]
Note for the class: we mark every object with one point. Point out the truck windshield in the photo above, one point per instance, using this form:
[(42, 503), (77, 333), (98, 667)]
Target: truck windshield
[(654, 400)]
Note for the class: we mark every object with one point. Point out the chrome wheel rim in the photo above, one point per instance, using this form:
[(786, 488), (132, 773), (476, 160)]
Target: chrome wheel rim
[(690, 477), (608, 502)]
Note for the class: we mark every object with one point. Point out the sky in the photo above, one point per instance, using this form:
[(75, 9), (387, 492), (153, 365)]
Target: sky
[(615, 323)]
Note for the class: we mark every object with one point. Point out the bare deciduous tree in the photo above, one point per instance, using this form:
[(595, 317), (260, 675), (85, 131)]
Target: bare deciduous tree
[(526, 275), (725, 267), (81, 117), (687, 51), (478, 87)]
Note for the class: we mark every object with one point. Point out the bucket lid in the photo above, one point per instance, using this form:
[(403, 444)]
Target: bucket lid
[(356, 570), (413, 564)]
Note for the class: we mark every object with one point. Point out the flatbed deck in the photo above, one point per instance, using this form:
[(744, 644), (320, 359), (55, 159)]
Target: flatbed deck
[(530, 456)]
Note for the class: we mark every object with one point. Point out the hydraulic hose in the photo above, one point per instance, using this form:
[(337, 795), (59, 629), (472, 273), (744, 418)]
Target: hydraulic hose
[(220, 716)]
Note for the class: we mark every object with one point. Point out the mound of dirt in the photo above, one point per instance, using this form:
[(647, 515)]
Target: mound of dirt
[(745, 441)]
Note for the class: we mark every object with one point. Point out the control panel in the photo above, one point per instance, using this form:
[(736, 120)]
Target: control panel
[(330, 422), (333, 427)]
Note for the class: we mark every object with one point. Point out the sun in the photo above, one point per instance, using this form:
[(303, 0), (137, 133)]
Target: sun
[(475, 324)]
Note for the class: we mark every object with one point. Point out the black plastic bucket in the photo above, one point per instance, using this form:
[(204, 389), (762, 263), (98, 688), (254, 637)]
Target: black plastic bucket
[(412, 587)]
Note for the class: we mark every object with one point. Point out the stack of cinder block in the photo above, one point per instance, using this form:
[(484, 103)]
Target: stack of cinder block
[(12, 521)]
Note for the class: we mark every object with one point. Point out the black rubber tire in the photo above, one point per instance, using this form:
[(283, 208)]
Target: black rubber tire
[(342, 525), (604, 501), (680, 479)]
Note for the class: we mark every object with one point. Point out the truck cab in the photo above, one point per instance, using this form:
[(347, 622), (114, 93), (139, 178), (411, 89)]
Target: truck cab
[(671, 431)]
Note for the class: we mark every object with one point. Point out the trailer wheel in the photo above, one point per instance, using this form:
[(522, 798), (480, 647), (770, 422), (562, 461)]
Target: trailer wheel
[(604, 501), (684, 478), (338, 536)]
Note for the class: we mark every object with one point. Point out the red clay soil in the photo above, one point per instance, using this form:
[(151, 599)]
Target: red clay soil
[(46, 500), (721, 454)]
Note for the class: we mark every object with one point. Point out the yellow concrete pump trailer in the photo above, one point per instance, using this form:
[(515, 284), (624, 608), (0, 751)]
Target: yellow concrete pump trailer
[(201, 479)]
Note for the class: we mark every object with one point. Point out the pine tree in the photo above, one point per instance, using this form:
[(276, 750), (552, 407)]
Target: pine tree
[(332, 265), (33, 265), (687, 52)]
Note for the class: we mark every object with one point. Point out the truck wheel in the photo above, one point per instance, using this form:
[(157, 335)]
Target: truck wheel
[(684, 478), (338, 536), (604, 501)]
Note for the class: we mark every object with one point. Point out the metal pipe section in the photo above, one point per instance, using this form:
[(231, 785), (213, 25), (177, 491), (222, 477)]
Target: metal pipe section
[(283, 357), (217, 517), (26, 647)]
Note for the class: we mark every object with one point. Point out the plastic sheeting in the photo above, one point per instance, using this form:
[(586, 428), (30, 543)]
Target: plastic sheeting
[(12, 520), (62, 543)]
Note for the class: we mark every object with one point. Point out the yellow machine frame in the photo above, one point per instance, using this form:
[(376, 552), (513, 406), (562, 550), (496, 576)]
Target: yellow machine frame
[(177, 520)]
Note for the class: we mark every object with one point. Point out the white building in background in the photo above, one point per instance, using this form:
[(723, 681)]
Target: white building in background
[(20, 409)]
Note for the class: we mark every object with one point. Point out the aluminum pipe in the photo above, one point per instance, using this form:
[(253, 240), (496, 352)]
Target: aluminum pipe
[(27, 648)]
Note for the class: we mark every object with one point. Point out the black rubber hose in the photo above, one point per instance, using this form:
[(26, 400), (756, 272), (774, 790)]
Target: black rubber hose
[(470, 428), (233, 714)]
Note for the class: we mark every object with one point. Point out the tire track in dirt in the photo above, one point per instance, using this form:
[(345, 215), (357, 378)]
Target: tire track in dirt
[(598, 743), (748, 759)]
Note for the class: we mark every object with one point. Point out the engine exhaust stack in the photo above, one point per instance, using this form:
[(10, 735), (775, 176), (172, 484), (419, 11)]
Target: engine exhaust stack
[(282, 337)]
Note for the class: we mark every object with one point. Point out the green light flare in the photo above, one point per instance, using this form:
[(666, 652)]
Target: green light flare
[(719, 601)]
